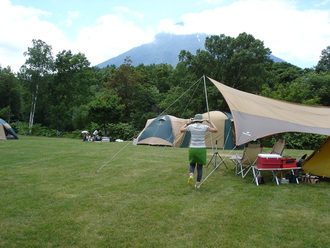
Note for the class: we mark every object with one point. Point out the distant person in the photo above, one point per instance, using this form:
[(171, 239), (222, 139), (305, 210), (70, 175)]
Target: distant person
[(58, 134), (85, 135), (197, 147), (95, 133)]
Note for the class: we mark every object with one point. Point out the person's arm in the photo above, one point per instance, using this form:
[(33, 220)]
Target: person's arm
[(213, 128), (183, 129)]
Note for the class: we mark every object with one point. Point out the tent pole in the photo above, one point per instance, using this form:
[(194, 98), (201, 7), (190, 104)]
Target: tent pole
[(227, 137), (208, 110), (207, 101), (215, 153)]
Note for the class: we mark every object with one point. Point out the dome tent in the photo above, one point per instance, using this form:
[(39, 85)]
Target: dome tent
[(6, 131), (165, 131), (162, 131)]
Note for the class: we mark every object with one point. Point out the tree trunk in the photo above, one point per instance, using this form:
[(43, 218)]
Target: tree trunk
[(33, 109)]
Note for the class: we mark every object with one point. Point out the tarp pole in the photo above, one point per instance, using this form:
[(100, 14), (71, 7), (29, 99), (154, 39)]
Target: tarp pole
[(207, 108)]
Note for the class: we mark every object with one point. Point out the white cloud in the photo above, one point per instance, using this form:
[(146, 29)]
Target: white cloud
[(19, 26), (293, 35), (111, 36)]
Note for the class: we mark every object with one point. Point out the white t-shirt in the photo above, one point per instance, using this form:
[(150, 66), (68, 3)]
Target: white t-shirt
[(198, 131)]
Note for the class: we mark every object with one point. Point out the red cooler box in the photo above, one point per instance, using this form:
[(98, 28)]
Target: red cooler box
[(269, 161), (289, 162)]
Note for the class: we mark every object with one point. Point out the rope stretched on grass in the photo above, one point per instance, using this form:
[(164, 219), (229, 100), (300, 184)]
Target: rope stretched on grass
[(112, 157)]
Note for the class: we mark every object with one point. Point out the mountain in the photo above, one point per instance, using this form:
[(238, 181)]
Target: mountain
[(164, 49)]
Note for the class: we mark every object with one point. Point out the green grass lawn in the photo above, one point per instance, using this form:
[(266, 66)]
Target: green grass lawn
[(69, 193)]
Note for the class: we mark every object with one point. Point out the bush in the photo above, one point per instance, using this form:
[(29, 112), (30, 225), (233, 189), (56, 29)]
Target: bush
[(304, 141), (22, 128), (73, 135), (122, 131)]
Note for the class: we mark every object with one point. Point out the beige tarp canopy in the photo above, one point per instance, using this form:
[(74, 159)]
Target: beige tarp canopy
[(257, 116)]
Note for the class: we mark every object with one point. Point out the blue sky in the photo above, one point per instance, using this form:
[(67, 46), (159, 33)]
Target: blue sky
[(295, 30)]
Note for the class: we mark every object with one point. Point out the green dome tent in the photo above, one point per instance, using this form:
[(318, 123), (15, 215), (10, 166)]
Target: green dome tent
[(165, 131), (6, 132)]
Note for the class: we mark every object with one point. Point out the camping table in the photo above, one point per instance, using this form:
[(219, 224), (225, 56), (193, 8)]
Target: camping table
[(257, 171)]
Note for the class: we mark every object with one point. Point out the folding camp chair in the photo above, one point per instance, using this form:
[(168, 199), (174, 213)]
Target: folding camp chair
[(244, 163), (278, 147)]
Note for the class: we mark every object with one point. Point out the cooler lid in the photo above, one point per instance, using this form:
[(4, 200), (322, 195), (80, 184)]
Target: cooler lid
[(269, 156)]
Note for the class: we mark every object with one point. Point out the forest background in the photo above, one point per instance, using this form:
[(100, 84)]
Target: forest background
[(65, 94)]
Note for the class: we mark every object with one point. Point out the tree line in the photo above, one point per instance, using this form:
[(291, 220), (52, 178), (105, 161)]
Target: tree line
[(65, 93)]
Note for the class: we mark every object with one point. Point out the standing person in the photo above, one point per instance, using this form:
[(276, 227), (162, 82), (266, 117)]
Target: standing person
[(95, 133), (197, 147), (84, 135)]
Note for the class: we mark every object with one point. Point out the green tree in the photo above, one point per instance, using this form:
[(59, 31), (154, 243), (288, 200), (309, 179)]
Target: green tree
[(10, 100), (143, 105), (158, 76), (155, 83), (310, 88), (185, 95), (104, 74), (70, 89), (106, 110), (5, 113), (298, 92), (318, 86), (240, 62), (283, 73), (35, 73), (123, 82), (324, 62)]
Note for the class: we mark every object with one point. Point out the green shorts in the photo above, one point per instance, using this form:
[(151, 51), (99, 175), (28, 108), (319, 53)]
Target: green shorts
[(197, 156)]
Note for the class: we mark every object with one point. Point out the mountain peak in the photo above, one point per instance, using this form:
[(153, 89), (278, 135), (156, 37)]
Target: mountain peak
[(165, 49)]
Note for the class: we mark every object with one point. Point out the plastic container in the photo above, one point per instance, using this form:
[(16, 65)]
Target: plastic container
[(269, 161), (289, 163)]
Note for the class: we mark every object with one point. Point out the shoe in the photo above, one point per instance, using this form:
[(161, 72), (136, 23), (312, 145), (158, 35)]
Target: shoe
[(190, 180), (197, 185)]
